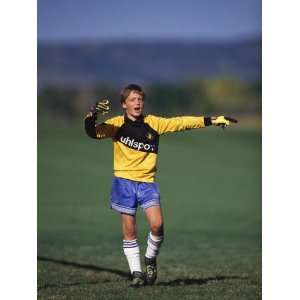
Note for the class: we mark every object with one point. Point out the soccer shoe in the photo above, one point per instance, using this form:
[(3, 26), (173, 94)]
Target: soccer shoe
[(151, 270), (137, 279)]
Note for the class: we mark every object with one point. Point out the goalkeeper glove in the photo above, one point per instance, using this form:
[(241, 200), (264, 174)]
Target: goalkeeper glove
[(222, 121), (101, 107)]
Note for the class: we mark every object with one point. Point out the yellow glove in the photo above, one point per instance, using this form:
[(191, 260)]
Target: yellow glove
[(222, 121), (101, 107)]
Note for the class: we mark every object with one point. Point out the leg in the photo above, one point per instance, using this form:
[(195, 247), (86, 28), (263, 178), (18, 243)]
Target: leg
[(155, 239), (131, 249), (156, 235), (123, 200), (128, 226), (155, 220)]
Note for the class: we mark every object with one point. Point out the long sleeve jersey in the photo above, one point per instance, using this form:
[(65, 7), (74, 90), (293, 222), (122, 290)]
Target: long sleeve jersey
[(136, 142)]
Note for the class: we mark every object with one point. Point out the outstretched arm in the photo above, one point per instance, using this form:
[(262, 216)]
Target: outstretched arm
[(165, 125)]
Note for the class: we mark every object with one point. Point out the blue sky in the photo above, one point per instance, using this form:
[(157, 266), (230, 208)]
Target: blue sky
[(190, 19)]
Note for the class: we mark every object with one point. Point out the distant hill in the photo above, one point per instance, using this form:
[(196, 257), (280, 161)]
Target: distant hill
[(146, 62)]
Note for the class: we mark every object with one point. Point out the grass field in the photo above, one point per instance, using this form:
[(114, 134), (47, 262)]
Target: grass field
[(210, 182)]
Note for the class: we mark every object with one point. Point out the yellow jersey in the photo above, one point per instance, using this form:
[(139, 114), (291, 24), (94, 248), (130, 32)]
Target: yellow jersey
[(136, 142)]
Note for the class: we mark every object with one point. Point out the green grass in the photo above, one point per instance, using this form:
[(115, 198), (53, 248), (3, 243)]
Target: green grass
[(210, 182)]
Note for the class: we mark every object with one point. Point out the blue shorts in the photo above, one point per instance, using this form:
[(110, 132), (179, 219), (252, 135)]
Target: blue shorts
[(127, 194)]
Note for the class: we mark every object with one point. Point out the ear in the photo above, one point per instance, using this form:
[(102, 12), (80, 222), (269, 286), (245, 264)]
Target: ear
[(124, 105)]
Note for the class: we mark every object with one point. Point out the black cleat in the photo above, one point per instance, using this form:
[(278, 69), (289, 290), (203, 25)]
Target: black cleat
[(151, 270), (137, 280)]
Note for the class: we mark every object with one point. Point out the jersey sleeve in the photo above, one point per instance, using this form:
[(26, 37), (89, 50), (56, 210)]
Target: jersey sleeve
[(166, 125), (106, 129)]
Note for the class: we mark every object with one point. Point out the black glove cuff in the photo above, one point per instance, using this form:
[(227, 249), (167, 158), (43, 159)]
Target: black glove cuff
[(94, 112), (207, 121)]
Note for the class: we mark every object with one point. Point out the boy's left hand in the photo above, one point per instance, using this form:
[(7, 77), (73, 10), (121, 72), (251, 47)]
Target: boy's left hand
[(222, 121)]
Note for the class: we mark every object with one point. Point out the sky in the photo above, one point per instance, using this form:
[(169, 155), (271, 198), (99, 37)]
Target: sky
[(73, 20)]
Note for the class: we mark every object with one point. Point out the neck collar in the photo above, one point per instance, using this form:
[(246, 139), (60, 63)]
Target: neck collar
[(140, 119)]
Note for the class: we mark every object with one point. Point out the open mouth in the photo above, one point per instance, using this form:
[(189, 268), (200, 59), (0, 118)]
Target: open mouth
[(137, 109)]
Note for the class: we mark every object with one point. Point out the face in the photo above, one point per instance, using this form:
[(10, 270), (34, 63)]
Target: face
[(134, 105)]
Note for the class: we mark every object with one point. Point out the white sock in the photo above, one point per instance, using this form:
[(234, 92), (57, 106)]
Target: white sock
[(154, 243), (132, 253)]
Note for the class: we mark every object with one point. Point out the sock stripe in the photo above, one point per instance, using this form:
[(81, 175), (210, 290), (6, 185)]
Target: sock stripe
[(154, 243), (156, 239), (129, 242), (126, 247)]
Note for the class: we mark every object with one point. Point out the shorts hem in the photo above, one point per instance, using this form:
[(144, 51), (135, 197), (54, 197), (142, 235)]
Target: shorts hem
[(150, 203), (122, 209)]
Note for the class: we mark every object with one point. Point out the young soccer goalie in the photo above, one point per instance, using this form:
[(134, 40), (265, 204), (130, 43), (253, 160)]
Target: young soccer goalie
[(135, 137)]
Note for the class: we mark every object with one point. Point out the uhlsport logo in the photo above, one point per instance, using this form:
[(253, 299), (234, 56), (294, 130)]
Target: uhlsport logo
[(137, 145)]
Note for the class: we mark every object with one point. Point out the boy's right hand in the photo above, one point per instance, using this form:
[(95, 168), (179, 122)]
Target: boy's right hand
[(222, 121), (101, 107)]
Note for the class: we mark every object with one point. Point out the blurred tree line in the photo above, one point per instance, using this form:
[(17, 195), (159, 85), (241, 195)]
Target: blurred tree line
[(209, 96)]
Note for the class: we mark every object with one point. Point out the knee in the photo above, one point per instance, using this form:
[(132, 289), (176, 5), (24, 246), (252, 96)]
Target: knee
[(129, 232), (157, 228)]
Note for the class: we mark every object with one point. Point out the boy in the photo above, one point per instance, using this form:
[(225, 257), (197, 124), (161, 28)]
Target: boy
[(135, 139)]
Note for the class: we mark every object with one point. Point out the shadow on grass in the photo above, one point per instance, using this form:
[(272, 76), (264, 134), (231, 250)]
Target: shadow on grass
[(198, 281), (65, 285), (176, 282), (84, 266), (78, 266)]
